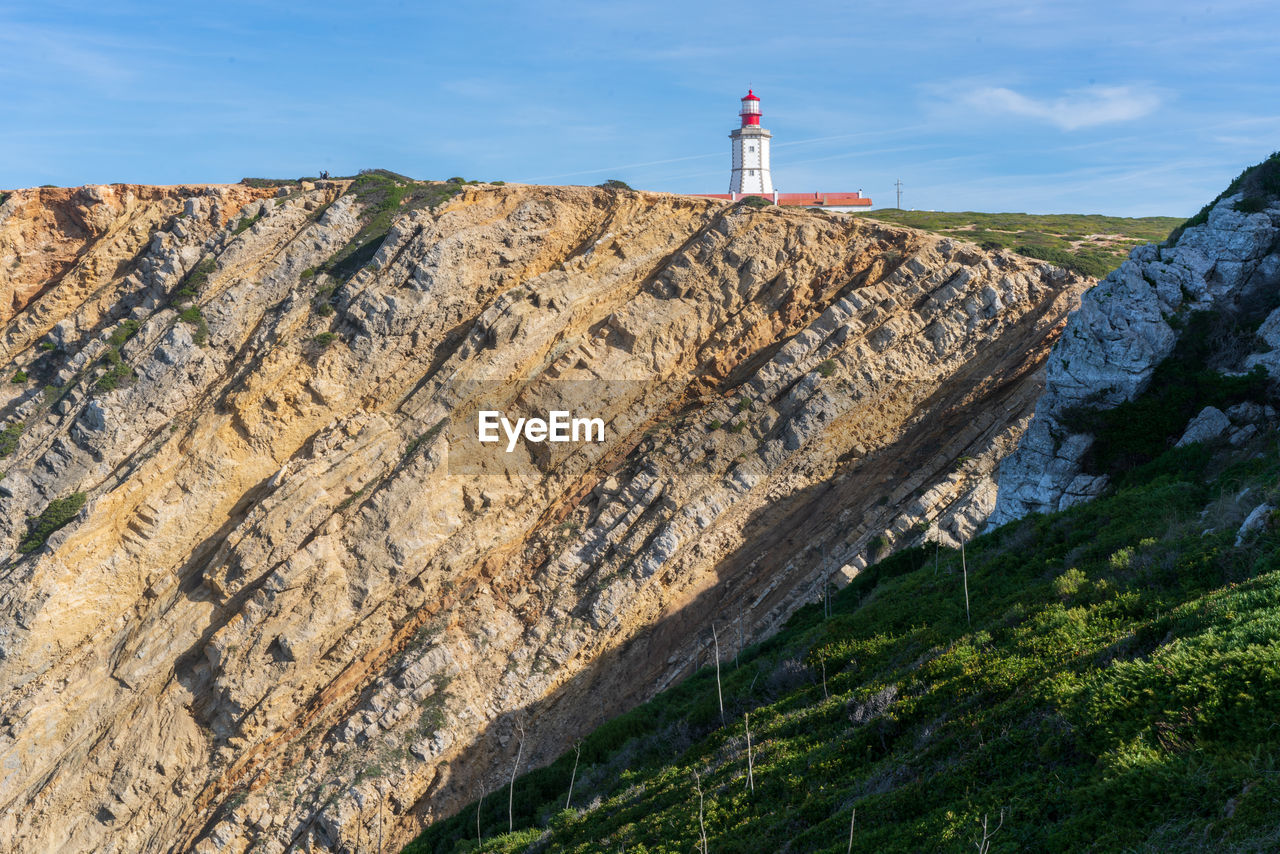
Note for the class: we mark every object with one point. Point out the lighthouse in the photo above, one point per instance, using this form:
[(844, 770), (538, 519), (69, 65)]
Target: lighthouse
[(750, 144), (750, 175)]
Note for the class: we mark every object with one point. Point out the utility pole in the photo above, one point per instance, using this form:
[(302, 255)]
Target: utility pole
[(898, 184)]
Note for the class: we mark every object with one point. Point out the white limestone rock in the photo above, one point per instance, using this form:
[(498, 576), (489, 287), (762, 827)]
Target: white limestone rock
[(1211, 424), (1121, 332), (1255, 521)]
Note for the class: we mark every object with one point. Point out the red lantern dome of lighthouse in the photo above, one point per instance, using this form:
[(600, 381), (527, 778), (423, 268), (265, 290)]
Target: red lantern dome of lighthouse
[(750, 109)]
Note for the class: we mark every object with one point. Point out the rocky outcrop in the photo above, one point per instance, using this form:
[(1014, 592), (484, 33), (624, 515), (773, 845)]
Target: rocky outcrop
[(300, 604), (1124, 328), (47, 232)]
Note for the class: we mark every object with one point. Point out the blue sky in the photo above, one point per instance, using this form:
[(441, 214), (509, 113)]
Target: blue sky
[(1124, 108)]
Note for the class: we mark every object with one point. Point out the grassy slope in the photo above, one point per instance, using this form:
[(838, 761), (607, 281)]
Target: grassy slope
[(1069, 240), (1117, 689)]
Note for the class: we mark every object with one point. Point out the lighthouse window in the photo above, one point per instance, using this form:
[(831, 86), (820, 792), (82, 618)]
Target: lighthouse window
[(751, 148)]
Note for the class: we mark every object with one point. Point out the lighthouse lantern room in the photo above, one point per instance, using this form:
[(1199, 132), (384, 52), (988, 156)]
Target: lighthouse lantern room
[(750, 144)]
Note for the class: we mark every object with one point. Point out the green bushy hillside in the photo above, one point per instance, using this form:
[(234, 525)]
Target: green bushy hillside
[(1116, 687), (1090, 244)]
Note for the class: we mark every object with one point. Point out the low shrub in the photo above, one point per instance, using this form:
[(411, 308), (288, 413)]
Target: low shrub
[(9, 438), (118, 371), (1259, 182), (382, 195), (245, 224), (122, 333), (1115, 686), (1138, 431), (193, 316), (1080, 262), (194, 282), (268, 183), (58, 513)]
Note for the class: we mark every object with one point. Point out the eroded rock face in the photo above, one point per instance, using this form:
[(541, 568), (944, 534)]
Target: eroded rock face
[(1122, 331), (47, 232), (289, 614)]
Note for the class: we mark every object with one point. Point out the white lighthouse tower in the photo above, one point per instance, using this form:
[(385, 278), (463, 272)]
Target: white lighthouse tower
[(750, 144)]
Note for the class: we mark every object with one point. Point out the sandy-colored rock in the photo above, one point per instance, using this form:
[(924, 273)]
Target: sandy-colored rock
[(301, 603)]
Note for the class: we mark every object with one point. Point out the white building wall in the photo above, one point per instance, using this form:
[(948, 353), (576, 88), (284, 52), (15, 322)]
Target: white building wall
[(749, 149), (766, 180)]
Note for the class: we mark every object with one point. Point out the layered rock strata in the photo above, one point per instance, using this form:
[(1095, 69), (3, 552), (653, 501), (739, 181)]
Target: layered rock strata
[(291, 612)]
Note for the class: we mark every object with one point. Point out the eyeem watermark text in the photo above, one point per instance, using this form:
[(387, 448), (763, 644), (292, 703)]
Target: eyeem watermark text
[(559, 426)]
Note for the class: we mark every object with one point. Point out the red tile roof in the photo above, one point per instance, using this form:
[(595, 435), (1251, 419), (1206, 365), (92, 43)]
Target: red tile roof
[(818, 199)]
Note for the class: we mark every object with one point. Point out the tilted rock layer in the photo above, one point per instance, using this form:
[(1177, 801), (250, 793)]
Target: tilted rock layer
[(1125, 327), (292, 613)]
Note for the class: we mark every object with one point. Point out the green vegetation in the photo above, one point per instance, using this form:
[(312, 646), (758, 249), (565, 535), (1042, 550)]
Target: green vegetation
[(1090, 244), (382, 196), (58, 513), (1136, 432), (349, 500), (195, 281), (9, 438), (48, 346), (1116, 691), (755, 202), (615, 184), (432, 717), (1260, 184), (245, 224), (4, 197), (122, 333), (324, 339), (18, 377), (268, 183), (192, 315), (118, 371), (425, 438), (827, 367)]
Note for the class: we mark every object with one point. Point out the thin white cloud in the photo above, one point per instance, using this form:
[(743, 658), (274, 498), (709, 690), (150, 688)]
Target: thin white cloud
[(1078, 108)]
